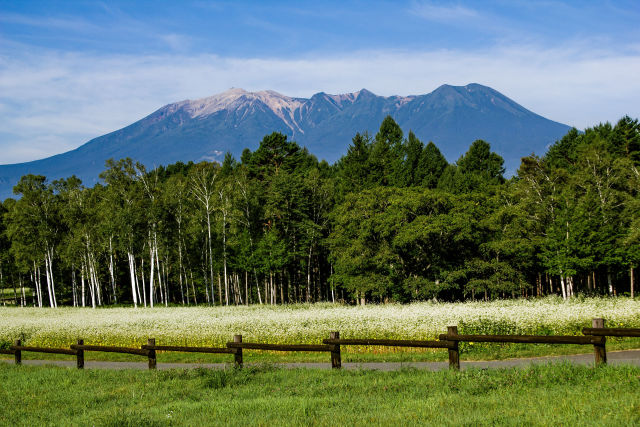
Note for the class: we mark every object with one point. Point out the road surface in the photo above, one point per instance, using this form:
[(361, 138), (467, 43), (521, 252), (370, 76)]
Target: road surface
[(628, 357)]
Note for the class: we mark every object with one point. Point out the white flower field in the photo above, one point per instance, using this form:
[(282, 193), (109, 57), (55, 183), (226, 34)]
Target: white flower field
[(214, 326)]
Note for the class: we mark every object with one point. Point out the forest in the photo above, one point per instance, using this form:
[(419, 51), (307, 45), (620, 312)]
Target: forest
[(391, 221)]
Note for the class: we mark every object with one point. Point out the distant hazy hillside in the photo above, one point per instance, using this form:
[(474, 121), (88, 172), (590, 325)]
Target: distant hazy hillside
[(204, 129)]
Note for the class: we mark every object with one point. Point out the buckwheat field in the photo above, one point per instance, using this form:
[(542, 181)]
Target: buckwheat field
[(214, 326)]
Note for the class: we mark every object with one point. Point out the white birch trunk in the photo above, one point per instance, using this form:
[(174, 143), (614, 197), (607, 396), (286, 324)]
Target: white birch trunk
[(206, 285), (82, 274), (53, 286), (151, 274), (193, 289), (74, 286), (92, 290), (266, 290), (220, 287), (309, 274), (255, 274), (224, 248), (135, 273), (144, 285), (93, 287), (570, 283), (35, 289), (213, 297), (165, 282), (161, 282), (111, 270), (24, 297), (272, 289), (180, 268), (133, 280), (246, 287), (96, 281), (49, 279), (40, 287)]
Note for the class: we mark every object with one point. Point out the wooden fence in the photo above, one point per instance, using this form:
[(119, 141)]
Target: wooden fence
[(596, 336)]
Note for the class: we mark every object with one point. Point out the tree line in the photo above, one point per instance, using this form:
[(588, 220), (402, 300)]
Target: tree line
[(392, 220)]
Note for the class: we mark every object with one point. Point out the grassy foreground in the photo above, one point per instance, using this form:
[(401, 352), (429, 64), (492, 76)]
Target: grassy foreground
[(541, 395)]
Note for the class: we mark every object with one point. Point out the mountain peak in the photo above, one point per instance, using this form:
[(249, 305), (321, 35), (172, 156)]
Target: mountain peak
[(470, 87), (344, 98), (235, 98), (233, 91), (362, 93)]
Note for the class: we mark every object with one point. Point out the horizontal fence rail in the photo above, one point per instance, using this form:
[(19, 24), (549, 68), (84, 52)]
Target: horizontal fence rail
[(281, 347), (71, 352), (110, 349), (612, 332), (596, 336), (190, 349), (525, 339), (390, 343)]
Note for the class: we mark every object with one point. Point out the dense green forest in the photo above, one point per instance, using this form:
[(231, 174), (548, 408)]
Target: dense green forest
[(392, 220)]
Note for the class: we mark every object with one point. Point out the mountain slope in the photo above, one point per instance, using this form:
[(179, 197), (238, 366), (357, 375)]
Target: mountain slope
[(204, 129)]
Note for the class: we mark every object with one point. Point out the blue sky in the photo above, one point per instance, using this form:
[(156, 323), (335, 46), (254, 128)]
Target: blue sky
[(74, 70)]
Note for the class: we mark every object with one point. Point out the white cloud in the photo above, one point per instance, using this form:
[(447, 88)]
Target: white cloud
[(51, 102)]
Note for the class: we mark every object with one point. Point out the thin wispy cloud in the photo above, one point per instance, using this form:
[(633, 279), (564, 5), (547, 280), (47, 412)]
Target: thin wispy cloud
[(445, 14), (66, 23), (483, 24), (176, 42)]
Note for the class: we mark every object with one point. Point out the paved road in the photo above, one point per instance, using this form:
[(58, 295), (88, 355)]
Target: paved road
[(629, 357)]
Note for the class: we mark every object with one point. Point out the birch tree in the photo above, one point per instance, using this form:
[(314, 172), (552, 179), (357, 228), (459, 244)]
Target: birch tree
[(203, 190), (34, 227), (123, 210)]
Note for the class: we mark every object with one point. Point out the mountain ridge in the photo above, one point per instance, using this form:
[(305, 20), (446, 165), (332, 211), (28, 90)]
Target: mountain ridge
[(205, 128)]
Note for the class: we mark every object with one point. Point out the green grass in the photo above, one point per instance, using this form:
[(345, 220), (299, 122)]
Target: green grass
[(8, 292), (539, 395)]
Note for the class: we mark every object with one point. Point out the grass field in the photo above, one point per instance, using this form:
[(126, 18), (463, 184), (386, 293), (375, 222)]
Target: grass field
[(541, 395), (214, 326)]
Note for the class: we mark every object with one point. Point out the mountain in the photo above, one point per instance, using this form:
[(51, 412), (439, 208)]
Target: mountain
[(450, 116)]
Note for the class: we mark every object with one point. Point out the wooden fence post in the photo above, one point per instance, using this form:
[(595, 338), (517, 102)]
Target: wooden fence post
[(18, 353), (238, 354), (600, 349), (336, 360), (454, 353), (80, 356), (152, 353)]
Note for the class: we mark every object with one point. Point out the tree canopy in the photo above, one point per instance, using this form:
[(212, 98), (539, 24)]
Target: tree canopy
[(392, 220)]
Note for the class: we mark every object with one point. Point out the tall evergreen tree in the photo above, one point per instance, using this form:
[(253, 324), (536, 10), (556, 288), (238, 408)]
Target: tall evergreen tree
[(385, 159), (408, 174), (430, 167), (354, 169)]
